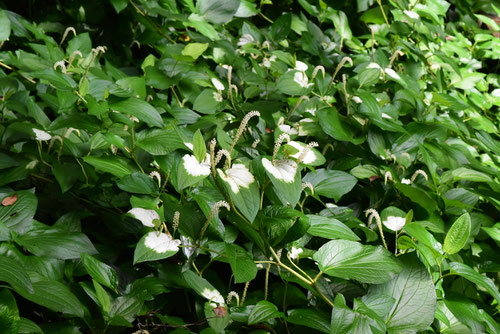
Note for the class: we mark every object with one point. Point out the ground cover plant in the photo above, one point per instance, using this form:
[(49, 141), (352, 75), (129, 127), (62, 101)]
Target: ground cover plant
[(227, 166)]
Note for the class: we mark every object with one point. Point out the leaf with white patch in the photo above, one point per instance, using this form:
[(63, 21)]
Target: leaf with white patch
[(146, 216), (155, 246), (312, 157), (286, 180), (242, 188), (393, 218), (190, 171)]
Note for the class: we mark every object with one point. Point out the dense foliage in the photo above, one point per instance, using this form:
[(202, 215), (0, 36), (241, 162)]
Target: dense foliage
[(249, 166)]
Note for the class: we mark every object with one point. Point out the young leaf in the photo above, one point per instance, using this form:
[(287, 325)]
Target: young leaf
[(457, 236), (100, 271), (263, 311), (199, 148)]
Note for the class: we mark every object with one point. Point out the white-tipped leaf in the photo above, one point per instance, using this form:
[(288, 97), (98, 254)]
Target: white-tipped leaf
[(286, 181), (155, 246), (145, 216), (242, 188)]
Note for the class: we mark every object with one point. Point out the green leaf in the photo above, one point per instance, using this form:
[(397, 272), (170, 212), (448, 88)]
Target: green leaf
[(217, 321), (59, 80), (119, 5), (414, 295), (9, 313), (140, 109), (470, 274), (4, 26), (206, 102), (352, 260), (218, 11), (155, 246), (115, 165), (100, 271), (294, 83), (66, 174), (55, 296), (138, 183), (14, 274), (194, 50), (159, 142), (202, 287), (59, 244), (341, 24), (242, 265), (330, 228), (331, 183), (263, 311), (245, 196), (102, 297), (310, 318), (468, 174), (19, 215), (280, 29), (199, 148), (418, 196), (334, 126), (457, 236), (28, 326)]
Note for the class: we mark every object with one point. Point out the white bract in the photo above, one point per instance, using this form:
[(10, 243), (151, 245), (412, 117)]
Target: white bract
[(283, 170), (245, 39), (309, 157), (41, 135), (161, 243), (294, 252), (217, 84), (237, 176), (301, 79), (146, 216), (394, 223), (195, 168), (287, 129), (300, 66), (213, 296), (412, 14), (390, 72)]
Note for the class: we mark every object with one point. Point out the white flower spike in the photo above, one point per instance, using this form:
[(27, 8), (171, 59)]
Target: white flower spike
[(146, 216)]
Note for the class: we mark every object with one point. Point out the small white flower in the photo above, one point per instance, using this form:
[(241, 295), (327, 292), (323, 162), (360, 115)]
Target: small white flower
[(287, 129), (195, 168), (310, 156), (357, 99), (213, 296), (412, 14), (390, 72), (301, 79), (294, 253), (146, 216), (237, 176), (42, 135), (394, 223), (218, 96), (283, 170), (161, 243), (300, 66), (245, 39), (217, 84), (406, 181)]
